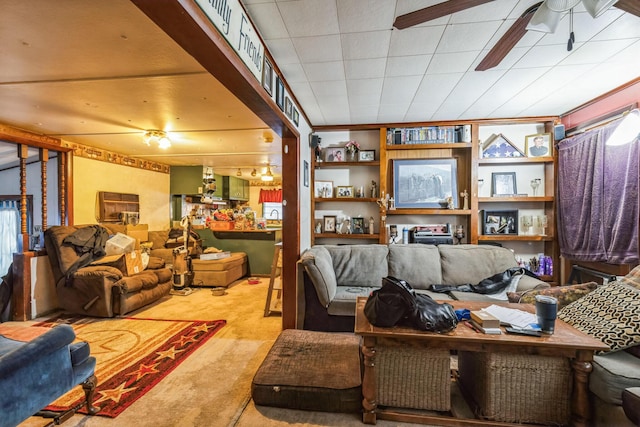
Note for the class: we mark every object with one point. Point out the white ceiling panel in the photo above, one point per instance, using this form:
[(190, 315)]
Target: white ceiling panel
[(365, 15), (305, 18), (372, 44)]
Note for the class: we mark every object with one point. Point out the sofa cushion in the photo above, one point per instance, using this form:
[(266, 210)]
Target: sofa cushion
[(564, 294), (319, 266), (609, 313), (612, 373), (359, 265), (418, 265), (344, 303), (469, 264)]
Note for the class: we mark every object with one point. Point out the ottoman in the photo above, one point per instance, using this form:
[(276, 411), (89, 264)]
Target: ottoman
[(518, 388), (219, 272), (314, 371)]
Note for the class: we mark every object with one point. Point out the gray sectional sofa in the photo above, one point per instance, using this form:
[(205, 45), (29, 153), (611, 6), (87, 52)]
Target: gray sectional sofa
[(331, 277)]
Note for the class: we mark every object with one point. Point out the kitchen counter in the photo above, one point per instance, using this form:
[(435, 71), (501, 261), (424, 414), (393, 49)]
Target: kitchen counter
[(257, 244)]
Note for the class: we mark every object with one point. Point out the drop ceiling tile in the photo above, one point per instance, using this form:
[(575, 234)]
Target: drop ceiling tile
[(407, 65), (495, 11), (508, 62), (293, 73), (267, 19), (470, 87), (543, 56), (408, 6), (318, 49), (328, 90), (365, 68), (283, 51), (415, 41), (466, 37), (451, 62), (365, 15), (596, 52), (310, 17), (626, 26), (322, 71), (400, 90), (364, 92), (371, 44), (435, 88), (393, 112)]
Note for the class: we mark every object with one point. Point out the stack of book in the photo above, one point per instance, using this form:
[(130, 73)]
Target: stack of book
[(485, 322)]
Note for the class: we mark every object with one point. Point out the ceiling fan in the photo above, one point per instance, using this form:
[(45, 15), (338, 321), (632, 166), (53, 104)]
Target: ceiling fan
[(543, 16)]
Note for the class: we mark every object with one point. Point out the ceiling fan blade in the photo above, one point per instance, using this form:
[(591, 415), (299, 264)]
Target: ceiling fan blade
[(507, 41), (433, 12), (629, 6)]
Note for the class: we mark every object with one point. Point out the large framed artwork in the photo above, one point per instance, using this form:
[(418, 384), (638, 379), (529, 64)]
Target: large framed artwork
[(425, 183)]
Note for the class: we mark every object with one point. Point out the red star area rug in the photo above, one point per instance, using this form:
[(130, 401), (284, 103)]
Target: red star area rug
[(132, 356)]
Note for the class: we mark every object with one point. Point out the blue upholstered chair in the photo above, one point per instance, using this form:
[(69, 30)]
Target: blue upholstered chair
[(35, 371)]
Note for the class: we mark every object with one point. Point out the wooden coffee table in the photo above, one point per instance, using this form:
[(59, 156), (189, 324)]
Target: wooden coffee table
[(565, 342)]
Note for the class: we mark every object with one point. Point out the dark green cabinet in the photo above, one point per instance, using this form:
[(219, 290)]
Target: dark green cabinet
[(235, 188), (188, 180)]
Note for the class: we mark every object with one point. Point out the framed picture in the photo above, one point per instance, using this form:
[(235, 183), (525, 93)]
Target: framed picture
[(503, 184), (538, 145), (323, 189), (425, 183), (500, 222), (366, 155), (296, 116), (357, 225), (288, 106), (344, 191), (279, 93), (267, 76), (334, 154), (329, 224), (306, 173)]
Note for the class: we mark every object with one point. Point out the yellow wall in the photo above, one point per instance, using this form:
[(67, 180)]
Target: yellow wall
[(92, 176)]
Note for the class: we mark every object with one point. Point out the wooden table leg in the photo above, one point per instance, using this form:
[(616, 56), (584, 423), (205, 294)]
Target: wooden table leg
[(582, 367), (369, 401)]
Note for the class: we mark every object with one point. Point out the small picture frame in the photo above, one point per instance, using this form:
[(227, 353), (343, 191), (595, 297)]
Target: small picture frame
[(503, 184), (267, 76), (329, 222), (288, 106), (366, 155), (296, 116), (334, 154), (538, 145), (344, 191), (305, 173), (323, 189), (357, 225), (280, 93), (500, 222)]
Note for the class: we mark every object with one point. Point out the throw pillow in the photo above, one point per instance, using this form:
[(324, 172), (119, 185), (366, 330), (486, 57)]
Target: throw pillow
[(564, 294), (632, 278), (611, 313)]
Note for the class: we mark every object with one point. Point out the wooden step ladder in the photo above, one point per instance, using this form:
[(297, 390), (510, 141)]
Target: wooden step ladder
[(276, 276)]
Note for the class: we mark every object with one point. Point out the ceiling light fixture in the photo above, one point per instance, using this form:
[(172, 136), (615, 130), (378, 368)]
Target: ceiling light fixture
[(254, 172), (239, 172), (157, 136), (268, 176)]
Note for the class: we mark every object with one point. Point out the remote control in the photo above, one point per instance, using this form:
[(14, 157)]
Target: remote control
[(511, 330)]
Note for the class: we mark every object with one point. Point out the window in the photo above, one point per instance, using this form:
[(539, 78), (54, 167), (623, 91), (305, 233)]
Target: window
[(272, 211)]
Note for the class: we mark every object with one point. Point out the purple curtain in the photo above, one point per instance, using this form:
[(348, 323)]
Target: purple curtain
[(598, 198)]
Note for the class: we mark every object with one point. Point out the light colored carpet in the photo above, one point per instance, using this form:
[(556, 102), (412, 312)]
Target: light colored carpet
[(213, 386)]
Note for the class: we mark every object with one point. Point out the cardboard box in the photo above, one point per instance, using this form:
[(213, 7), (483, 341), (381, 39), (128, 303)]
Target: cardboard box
[(120, 244), (129, 263), (140, 231)]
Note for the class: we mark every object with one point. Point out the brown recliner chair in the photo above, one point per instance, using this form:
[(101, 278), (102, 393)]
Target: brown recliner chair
[(100, 290)]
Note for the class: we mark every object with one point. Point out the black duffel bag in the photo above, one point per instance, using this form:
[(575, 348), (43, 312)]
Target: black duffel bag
[(396, 303)]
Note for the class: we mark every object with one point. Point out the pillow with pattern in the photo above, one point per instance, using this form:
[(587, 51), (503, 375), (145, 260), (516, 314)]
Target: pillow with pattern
[(564, 294), (611, 313)]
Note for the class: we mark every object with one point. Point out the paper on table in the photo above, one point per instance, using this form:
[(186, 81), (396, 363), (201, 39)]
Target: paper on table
[(513, 317)]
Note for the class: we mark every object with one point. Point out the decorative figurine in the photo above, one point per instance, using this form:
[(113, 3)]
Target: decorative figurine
[(374, 189), (449, 202), (465, 198), (370, 225)]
